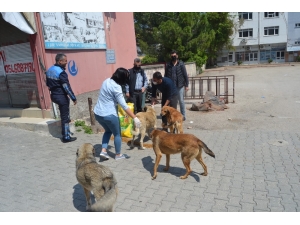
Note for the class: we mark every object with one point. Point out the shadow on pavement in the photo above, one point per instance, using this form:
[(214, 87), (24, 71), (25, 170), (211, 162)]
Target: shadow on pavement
[(54, 128), (79, 200), (148, 164), (98, 148)]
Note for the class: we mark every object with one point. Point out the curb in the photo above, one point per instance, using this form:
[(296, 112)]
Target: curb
[(47, 127)]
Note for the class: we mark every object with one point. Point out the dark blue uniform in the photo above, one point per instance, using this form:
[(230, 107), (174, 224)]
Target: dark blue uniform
[(60, 89), (168, 91)]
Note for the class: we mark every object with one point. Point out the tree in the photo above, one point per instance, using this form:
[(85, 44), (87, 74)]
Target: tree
[(223, 27), (196, 36)]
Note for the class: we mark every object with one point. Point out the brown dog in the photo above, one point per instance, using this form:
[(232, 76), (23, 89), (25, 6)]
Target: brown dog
[(148, 122), (174, 118), (188, 145), (96, 178)]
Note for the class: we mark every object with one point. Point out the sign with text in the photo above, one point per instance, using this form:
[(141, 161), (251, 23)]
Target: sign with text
[(16, 59), (110, 56), (73, 30)]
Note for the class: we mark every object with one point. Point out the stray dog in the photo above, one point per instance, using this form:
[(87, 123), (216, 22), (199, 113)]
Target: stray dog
[(188, 145), (96, 178), (148, 122), (174, 118)]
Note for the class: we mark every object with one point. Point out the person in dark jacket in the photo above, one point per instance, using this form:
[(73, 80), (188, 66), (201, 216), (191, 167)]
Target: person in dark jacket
[(60, 92), (138, 83), (168, 90), (175, 69)]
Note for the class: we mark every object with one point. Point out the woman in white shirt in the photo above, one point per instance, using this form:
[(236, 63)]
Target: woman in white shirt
[(106, 111)]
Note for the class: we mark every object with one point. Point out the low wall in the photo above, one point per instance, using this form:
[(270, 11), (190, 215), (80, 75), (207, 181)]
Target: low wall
[(150, 69)]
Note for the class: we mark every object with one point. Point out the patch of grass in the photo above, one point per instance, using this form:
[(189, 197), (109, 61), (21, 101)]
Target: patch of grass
[(87, 129), (79, 123)]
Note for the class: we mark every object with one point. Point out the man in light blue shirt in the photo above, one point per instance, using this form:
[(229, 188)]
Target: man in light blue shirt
[(138, 83)]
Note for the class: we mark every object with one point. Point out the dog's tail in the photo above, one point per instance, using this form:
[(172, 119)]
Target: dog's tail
[(107, 201), (206, 149)]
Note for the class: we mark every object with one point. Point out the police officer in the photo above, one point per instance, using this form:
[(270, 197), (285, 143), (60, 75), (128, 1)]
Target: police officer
[(60, 90)]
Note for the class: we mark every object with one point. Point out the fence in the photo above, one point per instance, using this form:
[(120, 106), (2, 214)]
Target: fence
[(222, 86)]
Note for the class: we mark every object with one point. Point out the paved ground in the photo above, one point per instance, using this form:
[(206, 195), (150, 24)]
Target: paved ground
[(256, 168)]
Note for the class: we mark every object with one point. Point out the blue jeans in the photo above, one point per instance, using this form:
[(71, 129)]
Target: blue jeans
[(111, 125), (181, 100)]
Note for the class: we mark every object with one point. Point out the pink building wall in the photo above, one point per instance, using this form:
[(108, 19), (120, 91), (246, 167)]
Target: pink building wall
[(91, 64)]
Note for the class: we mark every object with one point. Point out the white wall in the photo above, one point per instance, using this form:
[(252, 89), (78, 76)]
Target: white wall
[(266, 43)]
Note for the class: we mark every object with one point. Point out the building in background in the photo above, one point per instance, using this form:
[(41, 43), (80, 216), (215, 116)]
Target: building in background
[(263, 36), (96, 44), (293, 39)]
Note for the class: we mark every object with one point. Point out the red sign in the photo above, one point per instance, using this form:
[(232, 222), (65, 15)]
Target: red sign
[(19, 68), (16, 59)]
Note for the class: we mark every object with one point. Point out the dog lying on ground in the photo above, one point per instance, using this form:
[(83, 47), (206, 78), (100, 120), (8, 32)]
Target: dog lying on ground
[(148, 122), (188, 145), (96, 178), (174, 118)]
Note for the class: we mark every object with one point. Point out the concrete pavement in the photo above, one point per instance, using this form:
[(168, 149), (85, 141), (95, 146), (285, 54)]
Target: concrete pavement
[(251, 172)]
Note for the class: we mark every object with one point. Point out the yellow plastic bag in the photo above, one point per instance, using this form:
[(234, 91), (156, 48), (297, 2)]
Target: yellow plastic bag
[(126, 121)]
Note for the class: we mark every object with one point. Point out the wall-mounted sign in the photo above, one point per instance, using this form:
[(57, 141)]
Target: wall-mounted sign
[(73, 30), (110, 56), (72, 67)]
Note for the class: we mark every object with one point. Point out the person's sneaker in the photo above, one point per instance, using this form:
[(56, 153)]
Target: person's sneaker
[(104, 155), (184, 119), (123, 156), (69, 140)]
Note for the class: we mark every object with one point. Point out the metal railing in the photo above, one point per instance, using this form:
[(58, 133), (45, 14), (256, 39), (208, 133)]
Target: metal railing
[(222, 86)]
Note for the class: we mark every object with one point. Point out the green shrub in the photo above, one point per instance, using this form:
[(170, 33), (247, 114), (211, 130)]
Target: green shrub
[(240, 62), (87, 129), (298, 58), (149, 59), (270, 60), (79, 123)]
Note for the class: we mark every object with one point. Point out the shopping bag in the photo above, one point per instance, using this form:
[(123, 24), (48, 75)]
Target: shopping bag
[(126, 122)]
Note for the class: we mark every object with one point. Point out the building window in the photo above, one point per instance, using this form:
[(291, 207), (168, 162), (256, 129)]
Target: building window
[(280, 55), (297, 25), (271, 14), (239, 56), (271, 30), (224, 59), (251, 56), (246, 33), (297, 42), (265, 55), (245, 15), (230, 57)]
